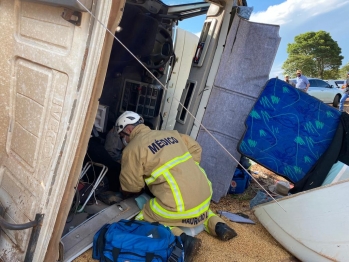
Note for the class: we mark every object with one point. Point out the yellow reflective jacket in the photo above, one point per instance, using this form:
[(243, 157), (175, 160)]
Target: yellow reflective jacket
[(168, 162)]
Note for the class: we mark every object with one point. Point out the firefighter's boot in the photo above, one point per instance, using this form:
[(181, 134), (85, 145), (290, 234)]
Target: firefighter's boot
[(224, 232), (191, 246)]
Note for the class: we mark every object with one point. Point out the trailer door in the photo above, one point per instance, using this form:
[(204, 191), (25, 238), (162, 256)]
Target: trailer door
[(48, 61)]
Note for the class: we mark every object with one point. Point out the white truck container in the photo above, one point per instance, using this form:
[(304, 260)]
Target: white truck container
[(57, 65)]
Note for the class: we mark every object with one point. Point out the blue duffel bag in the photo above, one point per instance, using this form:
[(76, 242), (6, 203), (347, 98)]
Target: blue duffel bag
[(129, 240)]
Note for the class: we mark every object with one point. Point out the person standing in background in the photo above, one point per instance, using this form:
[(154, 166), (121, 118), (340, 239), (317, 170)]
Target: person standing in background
[(302, 82), (345, 95), (288, 81)]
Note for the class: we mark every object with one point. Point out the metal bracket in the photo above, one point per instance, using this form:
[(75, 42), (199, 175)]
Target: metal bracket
[(72, 16), (71, 4), (36, 225), (34, 238), (6, 225), (60, 251)]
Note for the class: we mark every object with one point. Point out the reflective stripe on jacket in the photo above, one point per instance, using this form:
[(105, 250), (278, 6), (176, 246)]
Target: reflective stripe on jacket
[(168, 162)]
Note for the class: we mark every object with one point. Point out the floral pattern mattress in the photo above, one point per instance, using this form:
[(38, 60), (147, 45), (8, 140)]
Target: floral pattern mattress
[(288, 130)]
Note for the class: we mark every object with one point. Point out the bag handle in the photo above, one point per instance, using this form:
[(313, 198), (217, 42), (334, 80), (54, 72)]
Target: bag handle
[(101, 241), (149, 257), (176, 253), (115, 253)]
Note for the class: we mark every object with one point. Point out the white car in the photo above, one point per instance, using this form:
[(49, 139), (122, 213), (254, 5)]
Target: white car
[(337, 83), (324, 91)]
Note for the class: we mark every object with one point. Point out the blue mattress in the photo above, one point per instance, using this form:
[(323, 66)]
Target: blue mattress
[(288, 130)]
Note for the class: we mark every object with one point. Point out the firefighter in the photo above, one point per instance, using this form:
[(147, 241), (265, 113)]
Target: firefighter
[(168, 163)]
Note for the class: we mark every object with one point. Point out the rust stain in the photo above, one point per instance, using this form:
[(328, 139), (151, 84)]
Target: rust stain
[(11, 254), (15, 245), (17, 238)]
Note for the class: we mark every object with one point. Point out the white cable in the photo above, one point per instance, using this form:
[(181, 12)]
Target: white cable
[(208, 132)]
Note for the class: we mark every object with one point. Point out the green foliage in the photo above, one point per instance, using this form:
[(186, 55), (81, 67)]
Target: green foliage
[(316, 54), (332, 74), (344, 71)]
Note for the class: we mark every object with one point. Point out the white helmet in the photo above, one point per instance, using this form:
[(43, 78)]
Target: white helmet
[(127, 118)]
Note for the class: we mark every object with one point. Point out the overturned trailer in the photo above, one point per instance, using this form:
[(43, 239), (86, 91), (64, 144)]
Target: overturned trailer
[(62, 72)]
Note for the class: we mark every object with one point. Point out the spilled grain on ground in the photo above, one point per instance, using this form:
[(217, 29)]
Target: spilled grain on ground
[(253, 242)]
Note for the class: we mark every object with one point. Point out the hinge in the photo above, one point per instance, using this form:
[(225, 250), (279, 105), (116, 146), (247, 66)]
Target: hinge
[(72, 16), (61, 251)]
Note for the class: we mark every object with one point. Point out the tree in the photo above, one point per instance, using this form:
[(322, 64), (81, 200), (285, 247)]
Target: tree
[(316, 54), (343, 72), (331, 74)]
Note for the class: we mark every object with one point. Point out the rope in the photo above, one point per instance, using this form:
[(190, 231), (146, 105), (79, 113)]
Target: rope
[(164, 87)]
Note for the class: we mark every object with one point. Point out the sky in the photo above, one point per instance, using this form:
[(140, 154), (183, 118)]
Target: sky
[(294, 17)]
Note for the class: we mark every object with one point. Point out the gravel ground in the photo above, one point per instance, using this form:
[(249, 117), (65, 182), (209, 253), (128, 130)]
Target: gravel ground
[(253, 242)]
